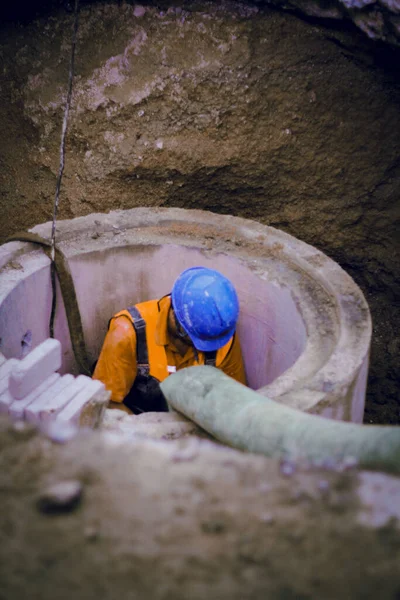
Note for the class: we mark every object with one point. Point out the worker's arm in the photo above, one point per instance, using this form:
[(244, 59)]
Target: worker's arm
[(117, 364), (232, 364)]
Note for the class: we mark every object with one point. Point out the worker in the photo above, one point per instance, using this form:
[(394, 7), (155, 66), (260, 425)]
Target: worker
[(194, 325)]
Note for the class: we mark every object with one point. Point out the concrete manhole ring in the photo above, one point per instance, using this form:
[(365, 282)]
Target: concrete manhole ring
[(304, 325)]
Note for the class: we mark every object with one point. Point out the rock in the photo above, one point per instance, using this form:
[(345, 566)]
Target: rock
[(61, 497), (91, 533), (156, 431), (60, 432), (213, 526), (153, 425), (23, 430), (377, 24), (139, 10)]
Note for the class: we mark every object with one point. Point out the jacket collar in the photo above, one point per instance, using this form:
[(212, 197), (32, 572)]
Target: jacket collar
[(162, 337)]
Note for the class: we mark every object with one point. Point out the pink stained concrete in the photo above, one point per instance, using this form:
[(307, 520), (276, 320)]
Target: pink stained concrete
[(302, 345)]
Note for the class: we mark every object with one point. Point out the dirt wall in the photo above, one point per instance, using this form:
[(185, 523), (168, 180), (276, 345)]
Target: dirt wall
[(219, 106)]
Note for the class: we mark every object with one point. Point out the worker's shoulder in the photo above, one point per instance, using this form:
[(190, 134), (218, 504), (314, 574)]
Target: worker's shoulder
[(122, 322)]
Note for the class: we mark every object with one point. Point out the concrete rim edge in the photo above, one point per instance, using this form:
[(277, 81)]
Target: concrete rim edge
[(351, 349)]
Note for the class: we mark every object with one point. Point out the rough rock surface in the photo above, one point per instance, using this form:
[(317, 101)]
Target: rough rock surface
[(378, 19), (163, 425), (219, 106)]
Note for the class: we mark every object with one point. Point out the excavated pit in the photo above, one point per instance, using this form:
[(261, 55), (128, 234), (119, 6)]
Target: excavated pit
[(304, 324)]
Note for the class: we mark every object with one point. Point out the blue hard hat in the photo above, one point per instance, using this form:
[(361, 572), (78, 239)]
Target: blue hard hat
[(206, 306)]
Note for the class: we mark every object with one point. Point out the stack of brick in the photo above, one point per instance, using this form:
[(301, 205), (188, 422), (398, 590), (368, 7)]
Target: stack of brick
[(33, 391)]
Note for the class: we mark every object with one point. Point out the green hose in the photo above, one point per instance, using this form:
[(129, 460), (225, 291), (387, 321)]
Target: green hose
[(241, 418)]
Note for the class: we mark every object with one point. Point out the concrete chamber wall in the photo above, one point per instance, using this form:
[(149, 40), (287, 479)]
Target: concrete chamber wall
[(304, 325)]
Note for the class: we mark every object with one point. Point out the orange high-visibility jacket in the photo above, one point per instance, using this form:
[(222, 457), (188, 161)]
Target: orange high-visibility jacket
[(117, 364)]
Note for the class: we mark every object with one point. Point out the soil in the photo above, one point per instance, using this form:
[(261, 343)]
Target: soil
[(232, 109), (107, 517), (219, 106)]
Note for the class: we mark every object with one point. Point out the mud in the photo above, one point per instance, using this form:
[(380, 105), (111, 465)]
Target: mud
[(219, 106)]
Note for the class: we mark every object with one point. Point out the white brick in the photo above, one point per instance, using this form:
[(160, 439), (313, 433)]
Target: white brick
[(72, 411), (5, 370), (5, 400), (44, 401), (37, 366), (6, 367), (66, 396), (17, 408)]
